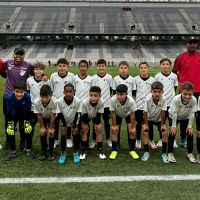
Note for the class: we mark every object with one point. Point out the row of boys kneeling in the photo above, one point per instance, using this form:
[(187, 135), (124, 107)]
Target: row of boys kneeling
[(76, 115)]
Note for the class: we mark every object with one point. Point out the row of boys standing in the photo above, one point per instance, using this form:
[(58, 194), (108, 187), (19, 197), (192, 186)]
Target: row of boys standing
[(140, 86)]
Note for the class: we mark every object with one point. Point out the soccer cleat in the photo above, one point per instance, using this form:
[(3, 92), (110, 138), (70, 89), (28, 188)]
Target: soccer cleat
[(145, 156), (152, 144), (159, 144), (22, 145), (171, 158), (134, 155), (43, 156), (175, 144), (56, 143), (92, 144), (183, 143), (10, 156), (101, 155), (165, 158), (83, 156), (108, 143), (113, 155), (62, 158), (138, 144), (51, 157), (191, 158), (30, 154), (198, 158), (1, 147), (76, 157), (69, 143)]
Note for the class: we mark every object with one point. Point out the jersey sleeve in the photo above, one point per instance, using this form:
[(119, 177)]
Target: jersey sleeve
[(101, 107), (164, 107), (112, 104), (36, 109), (132, 105)]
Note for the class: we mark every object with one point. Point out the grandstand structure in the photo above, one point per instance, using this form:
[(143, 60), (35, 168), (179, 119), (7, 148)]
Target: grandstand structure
[(115, 30)]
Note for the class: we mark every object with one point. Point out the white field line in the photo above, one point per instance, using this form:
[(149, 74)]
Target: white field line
[(98, 179)]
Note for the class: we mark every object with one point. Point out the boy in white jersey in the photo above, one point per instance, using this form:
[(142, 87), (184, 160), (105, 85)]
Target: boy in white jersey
[(57, 82), (198, 130), (123, 107), (82, 81), (126, 79), (92, 108), (142, 88), (45, 107), (105, 82), (155, 108), (182, 109), (170, 82), (69, 113), (34, 83)]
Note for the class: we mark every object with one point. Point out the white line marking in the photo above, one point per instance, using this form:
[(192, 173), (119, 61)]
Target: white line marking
[(98, 179)]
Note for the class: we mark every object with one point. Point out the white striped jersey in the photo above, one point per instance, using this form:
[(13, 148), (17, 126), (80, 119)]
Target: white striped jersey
[(45, 111), (154, 109), (69, 111), (82, 86), (129, 82), (123, 110), (34, 87), (169, 82), (182, 110), (57, 83), (198, 106), (143, 88), (105, 83), (86, 107)]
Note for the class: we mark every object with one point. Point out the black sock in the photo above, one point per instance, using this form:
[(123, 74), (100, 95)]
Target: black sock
[(11, 140), (76, 142), (99, 146), (198, 145), (63, 143), (146, 147), (51, 143), (138, 131), (132, 144), (43, 141), (171, 143), (164, 147), (190, 143), (107, 130), (114, 145), (83, 146)]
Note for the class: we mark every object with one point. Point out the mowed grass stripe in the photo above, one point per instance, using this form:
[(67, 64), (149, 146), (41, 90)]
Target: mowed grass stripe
[(99, 179)]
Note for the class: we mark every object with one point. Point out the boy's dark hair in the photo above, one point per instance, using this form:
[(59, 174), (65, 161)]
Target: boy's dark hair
[(101, 61), (39, 65), (45, 91), (62, 61), (187, 86), (19, 85), (122, 88), (165, 59), (69, 85), (95, 89), (157, 85), (124, 63), (83, 61), (144, 63)]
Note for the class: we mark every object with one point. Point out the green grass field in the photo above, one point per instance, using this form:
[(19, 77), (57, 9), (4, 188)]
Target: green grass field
[(122, 166)]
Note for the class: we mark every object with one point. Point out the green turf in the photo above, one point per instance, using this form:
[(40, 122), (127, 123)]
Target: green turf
[(169, 190), (123, 165)]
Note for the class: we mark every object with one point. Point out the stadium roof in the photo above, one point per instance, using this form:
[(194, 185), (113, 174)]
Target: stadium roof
[(101, 19)]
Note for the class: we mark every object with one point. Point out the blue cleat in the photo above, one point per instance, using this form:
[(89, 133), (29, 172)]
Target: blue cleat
[(62, 158), (76, 157), (165, 158), (145, 156)]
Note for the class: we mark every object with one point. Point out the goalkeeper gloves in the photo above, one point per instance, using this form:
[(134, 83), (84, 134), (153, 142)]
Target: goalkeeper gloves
[(10, 128), (27, 127)]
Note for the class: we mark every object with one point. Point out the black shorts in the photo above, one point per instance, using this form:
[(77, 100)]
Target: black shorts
[(119, 120)]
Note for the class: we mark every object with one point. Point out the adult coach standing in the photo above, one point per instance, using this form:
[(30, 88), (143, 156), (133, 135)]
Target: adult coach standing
[(187, 67), (17, 70)]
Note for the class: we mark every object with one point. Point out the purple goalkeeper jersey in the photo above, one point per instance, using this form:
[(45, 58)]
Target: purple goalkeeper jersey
[(16, 73)]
